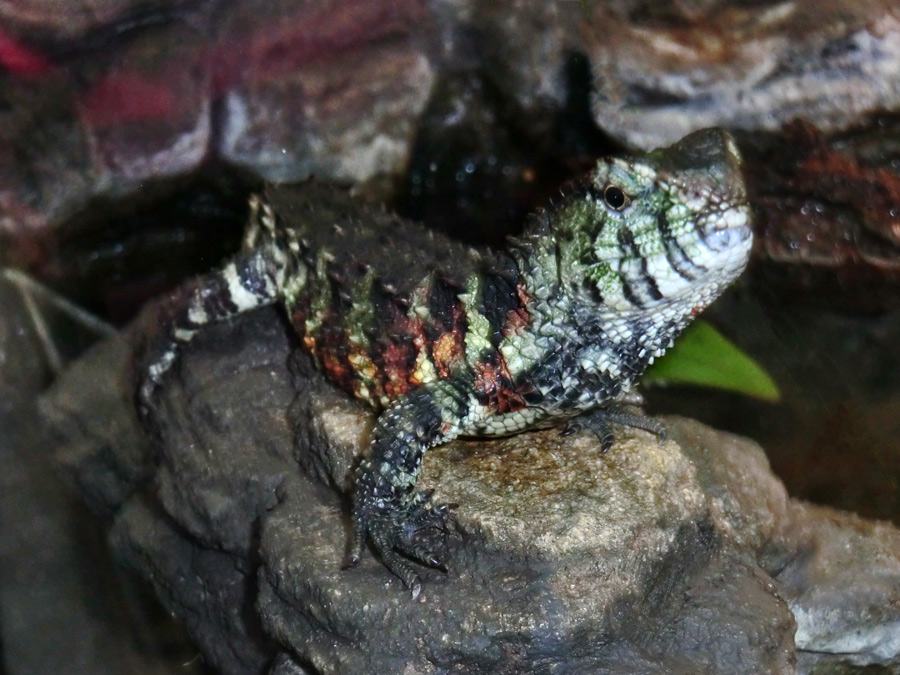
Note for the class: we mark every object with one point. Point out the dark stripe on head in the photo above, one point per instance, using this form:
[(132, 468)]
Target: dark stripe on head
[(675, 254), (589, 259), (590, 287), (650, 283), (639, 287)]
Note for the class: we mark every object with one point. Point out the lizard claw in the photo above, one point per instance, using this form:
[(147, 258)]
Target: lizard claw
[(396, 538), (594, 423), (598, 422)]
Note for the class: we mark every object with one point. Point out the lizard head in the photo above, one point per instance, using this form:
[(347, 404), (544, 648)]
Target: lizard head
[(665, 231)]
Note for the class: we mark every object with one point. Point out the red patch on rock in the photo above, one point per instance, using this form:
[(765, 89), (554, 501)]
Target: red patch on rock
[(128, 97), (21, 60)]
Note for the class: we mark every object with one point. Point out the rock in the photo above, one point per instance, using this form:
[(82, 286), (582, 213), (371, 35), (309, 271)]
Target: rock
[(103, 102), (571, 561), (663, 70), (65, 607), (832, 238), (288, 89), (331, 90), (680, 557), (207, 589), (841, 602), (105, 455)]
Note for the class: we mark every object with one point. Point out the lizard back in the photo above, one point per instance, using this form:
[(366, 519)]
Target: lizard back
[(379, 301)]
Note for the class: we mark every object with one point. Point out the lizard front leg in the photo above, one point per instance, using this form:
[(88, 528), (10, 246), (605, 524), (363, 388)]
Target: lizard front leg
[(387, 509), (597, 422)]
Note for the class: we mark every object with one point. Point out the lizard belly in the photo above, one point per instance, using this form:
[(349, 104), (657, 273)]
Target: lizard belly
[(483, 420)]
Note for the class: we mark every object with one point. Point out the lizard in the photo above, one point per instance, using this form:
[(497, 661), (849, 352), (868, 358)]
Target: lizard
[(444, 340)]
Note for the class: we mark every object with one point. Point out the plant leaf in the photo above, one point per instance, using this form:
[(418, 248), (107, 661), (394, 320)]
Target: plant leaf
[(703, 356)]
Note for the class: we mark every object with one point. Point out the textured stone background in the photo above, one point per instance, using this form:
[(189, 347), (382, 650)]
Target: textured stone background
[(116, 102), (681, 557)]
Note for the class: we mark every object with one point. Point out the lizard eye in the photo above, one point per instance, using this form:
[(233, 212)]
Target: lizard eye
[(615, 198)]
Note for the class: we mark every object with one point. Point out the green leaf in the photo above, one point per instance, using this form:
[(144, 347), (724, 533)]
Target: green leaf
[(703, 356)]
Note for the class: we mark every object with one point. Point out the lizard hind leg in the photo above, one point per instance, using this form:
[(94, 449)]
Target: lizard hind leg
[(250, 281)]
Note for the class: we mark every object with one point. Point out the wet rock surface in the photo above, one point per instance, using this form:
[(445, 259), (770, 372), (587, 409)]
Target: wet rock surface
[(681, 557), (828, 213), (99, 99)]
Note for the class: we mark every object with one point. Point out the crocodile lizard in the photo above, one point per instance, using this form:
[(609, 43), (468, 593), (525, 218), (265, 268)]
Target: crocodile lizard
[(447, 340)]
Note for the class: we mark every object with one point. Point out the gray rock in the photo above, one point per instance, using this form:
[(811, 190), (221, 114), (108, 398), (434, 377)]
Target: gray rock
[(663, 70), (332, 90), (844, 605), (289, 89), (65, 607), (681, 557), (105, 454), (209, 590), (125, 97)]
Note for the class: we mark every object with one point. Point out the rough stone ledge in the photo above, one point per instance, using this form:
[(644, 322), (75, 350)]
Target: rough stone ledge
[(682, 557)]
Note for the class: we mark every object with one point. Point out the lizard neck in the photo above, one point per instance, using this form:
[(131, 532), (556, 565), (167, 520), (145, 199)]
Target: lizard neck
[(601, 350)]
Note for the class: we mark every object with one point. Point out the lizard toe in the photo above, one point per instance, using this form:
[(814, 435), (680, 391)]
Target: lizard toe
[(402, 536)]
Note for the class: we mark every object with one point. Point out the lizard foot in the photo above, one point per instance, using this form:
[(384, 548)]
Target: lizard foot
[(398, 536), (597, 422)]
